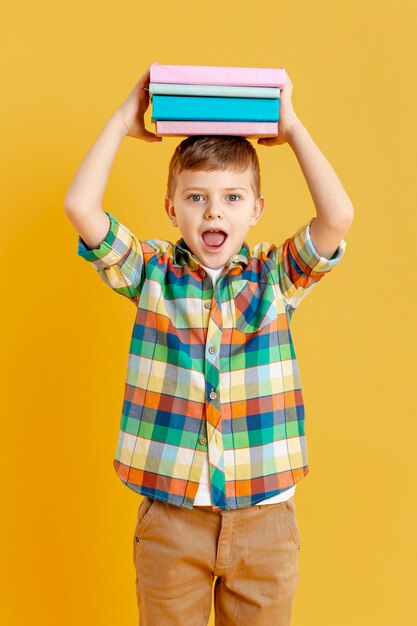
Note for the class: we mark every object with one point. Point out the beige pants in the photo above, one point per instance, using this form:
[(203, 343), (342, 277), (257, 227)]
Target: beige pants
[(253, 552)]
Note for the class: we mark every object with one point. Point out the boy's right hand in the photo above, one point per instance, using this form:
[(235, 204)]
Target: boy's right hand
[(131, 113)]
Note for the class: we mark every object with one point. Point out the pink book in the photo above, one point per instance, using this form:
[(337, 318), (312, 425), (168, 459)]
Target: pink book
[(245, 129), (218, 75)]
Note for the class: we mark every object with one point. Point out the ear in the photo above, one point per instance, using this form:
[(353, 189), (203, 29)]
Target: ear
[(257, 210), (169, 208)]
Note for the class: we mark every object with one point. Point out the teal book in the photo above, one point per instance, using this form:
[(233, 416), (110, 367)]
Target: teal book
[(215, 108), (213, 90)]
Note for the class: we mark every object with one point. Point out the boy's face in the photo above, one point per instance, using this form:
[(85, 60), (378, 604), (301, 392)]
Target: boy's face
[(221, 201)]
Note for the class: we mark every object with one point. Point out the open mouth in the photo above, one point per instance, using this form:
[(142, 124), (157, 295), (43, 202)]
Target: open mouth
[(214, 238)]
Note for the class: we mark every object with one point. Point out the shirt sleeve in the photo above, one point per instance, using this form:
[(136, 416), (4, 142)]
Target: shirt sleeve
[(300, 267), (119, 259)]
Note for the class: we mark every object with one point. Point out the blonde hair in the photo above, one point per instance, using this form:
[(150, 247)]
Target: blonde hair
[(209, 153)]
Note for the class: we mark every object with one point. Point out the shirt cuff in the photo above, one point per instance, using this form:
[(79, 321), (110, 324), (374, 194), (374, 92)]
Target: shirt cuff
[(111, 250), (307, 255)]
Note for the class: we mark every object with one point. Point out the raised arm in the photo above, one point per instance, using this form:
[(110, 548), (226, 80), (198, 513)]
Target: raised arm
[(333, 206), (83, 201)]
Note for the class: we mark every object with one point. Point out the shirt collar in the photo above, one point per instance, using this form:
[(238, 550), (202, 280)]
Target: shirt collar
[(182, 255)]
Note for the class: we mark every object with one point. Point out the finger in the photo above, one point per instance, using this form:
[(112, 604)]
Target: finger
[(148, 136), (266, 141), (144, 79)]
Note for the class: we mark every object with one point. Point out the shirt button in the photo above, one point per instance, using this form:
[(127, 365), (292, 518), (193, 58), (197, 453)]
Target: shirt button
[(203, 274), (203, 440), (213, 394), (212, 349), (207, 304)]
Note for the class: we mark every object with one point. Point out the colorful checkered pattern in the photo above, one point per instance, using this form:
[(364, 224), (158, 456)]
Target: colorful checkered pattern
[(211, 371)]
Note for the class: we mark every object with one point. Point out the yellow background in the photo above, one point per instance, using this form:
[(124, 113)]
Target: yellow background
[(67, 520)]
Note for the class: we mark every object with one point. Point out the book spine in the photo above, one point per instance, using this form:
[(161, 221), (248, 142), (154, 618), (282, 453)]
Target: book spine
[(217, 75), (175, 89), (212, 109), (243, 129)]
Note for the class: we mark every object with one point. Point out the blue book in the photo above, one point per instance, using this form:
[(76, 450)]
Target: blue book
[(215, 108)]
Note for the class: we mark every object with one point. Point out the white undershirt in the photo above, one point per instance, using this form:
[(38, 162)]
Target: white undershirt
[(203, 496)]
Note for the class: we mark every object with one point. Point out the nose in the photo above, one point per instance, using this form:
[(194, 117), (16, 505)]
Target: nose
[(213, 211)]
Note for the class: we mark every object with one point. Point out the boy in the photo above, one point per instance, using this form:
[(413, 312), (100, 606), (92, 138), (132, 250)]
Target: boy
[(212, 426)]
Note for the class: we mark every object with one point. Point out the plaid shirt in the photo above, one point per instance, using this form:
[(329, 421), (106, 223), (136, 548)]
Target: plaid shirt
[(211, 371)]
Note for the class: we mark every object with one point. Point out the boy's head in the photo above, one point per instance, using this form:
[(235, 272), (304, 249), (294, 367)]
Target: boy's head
[(214, 185)]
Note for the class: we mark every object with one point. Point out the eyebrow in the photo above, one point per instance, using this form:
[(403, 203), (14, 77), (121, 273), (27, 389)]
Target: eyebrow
[(225, 189)]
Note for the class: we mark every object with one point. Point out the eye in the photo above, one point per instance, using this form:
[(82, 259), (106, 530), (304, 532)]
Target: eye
[(233, 195), (194, 195)]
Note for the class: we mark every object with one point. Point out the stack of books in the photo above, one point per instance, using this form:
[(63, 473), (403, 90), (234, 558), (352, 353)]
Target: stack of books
[(215, 100)]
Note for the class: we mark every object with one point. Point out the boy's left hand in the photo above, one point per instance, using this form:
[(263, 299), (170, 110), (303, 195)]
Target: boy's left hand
[(287, 117)]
